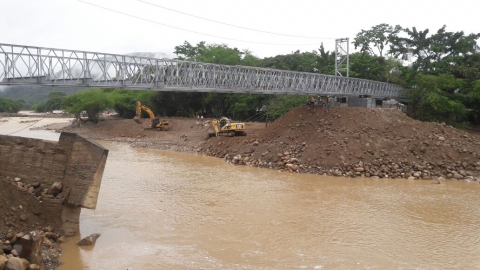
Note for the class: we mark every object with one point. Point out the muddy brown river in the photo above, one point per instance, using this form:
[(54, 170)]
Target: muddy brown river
[(168, 210)]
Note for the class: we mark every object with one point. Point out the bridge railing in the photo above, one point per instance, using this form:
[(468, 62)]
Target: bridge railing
[(24, 65)]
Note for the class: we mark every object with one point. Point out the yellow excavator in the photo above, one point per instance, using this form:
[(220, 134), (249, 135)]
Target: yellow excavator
[(227, 127), (156, 123)]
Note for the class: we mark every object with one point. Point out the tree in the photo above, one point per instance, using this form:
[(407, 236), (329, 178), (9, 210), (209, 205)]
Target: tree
[(8, 105), (93, 102), (124, 101), (296, 61), (216, 104), (473, 102), (325, 61), (279, 105), (429, 101), (433, 54), (378, 37), (249, 59), (212, 53), (54, 102)]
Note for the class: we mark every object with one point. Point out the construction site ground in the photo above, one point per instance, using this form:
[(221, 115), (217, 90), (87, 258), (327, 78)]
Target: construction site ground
[(342, 141)]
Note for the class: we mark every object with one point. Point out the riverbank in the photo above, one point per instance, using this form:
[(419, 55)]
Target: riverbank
[(374, 143), (348, 142)]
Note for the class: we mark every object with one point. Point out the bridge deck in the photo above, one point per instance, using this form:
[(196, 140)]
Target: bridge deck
[(27, 65)]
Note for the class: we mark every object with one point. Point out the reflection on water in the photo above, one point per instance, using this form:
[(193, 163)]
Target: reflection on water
[(167, 210)]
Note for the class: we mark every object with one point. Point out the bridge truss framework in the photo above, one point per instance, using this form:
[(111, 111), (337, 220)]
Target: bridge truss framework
[(27, 65)]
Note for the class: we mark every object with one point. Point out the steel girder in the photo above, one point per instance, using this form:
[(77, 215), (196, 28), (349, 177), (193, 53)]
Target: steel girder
[(26, 65)]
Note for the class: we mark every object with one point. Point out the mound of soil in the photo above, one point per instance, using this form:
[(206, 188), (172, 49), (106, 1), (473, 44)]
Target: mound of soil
[(356, 142)]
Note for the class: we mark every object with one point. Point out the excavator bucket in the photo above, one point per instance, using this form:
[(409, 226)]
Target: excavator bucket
[(211, 132), (137, 120)]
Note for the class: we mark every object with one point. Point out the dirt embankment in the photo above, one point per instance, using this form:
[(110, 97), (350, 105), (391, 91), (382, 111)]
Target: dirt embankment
[(352, 142), (43, 184), (24, 243)]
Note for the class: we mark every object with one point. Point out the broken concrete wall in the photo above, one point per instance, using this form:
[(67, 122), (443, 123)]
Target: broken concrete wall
[(84, 171), (75, 162)]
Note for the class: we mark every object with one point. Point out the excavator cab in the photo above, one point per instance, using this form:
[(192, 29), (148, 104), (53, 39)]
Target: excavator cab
[(224, 122)]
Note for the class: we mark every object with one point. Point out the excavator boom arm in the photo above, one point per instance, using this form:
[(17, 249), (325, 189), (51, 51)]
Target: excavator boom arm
[(150, 112), (141, 107)]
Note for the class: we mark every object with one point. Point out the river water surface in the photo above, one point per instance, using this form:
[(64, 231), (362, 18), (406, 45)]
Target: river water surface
[(168, 210)]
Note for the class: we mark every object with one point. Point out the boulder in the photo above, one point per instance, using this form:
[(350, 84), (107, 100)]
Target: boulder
[(34, 267), (51, 235), (56, 188), (36, 184), (61, 239), (16, 263), (10, 235), (6, 248), (14, 253), (30, 247), (89, 240), (457, 175), (3, 261)]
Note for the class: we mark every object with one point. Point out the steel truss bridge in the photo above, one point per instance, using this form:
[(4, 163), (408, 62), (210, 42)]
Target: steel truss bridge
[(27, 65)]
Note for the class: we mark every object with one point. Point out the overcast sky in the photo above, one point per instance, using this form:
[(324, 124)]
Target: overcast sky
[(73, 24)]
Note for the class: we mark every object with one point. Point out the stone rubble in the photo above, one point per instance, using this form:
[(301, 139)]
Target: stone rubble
[(36, 249), (351, 146)]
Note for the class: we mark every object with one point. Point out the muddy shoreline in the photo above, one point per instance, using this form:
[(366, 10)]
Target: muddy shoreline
[(344, 142)]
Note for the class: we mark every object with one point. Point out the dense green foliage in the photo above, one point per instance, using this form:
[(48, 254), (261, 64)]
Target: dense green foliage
[(442, 73), (11, 106), (54, 102), (93, 102)]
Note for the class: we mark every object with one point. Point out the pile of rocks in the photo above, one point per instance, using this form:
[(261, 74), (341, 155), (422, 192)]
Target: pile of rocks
[(24, 243), (37, 191), (379, 168), (34, 250)]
